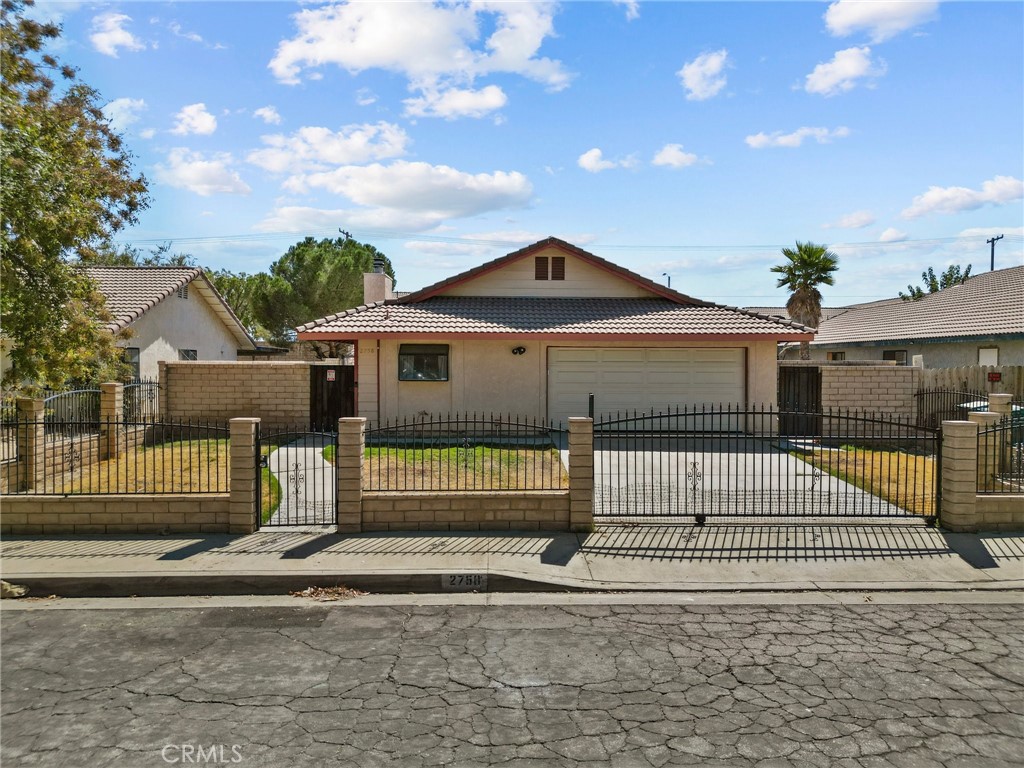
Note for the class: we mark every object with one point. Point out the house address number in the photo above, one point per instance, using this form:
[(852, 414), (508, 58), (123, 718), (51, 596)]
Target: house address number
[(464, 582)]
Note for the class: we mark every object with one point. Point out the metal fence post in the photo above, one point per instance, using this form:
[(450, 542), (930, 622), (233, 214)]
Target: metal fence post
[(581, 474)]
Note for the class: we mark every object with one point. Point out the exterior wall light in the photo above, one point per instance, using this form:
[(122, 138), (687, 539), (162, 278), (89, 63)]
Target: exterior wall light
[(518, 350)]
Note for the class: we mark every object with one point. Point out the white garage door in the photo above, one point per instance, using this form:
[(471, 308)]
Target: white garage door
[(628, 379)]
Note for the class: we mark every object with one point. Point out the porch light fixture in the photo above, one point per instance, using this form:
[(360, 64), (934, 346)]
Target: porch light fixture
[(518, 350)]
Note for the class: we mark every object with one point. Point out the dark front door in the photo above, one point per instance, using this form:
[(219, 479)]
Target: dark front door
[(332, 395), (799, 400)]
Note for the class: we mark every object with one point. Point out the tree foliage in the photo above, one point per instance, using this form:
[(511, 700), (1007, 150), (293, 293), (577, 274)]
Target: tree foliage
[(807, 266), (953, 275), (313, 279), (68, 185)]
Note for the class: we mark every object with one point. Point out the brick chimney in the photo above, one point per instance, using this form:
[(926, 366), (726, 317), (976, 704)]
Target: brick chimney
[(377, 285)]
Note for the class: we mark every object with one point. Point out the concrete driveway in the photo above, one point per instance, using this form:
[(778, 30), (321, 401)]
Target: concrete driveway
[(728, 476), (307, 482)]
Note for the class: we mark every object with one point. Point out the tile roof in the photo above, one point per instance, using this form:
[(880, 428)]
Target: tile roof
[(988, 304), (826, 312), (451, 315), (131, 291)]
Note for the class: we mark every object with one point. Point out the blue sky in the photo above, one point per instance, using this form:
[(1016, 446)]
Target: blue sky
[(694, 139)]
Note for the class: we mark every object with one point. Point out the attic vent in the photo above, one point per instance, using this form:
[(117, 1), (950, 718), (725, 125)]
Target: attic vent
[(540, 268), (558, 267), (183, 292)]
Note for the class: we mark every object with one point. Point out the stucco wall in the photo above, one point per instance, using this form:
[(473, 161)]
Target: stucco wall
[(484, 377), (29, 515), (1011, 352), (175, 324), (277, 393), (517, 279)]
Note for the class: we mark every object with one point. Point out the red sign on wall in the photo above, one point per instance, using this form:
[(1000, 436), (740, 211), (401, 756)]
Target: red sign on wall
[(995, 376), (330, 374)]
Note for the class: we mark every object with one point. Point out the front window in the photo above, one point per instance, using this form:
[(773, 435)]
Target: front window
[(131, 359), (899, 355), (836, 356), (988, 355), (423, 362)]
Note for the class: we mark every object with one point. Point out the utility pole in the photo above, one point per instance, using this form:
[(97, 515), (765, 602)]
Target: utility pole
[(992, 242)]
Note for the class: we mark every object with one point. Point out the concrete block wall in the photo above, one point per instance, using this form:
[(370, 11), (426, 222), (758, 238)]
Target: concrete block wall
[(44, 515), (466, 511), (885, 389), (277, 393)]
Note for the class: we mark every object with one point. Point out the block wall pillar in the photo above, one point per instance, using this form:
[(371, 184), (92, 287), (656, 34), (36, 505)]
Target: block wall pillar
[(581, 473), (243, 503), (959, 479), (348, 465), (111, 418), (31, 443)]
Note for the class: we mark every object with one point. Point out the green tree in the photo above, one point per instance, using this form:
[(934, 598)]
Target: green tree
[(237, 290), (111, 255), (807, 266), (313, 279), (953, 275), (68, 186)]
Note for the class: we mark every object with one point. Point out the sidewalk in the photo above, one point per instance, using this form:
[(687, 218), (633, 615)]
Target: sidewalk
[(757, 557)]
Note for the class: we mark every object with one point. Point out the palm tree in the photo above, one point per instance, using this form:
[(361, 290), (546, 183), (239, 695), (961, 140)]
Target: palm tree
[(807, 267)]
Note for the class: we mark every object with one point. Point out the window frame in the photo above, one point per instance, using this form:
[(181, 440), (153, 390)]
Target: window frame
[(896, 356), (988, 349), (188, 355), (838, 356), (136, 363), (414, 362), (540, 268)]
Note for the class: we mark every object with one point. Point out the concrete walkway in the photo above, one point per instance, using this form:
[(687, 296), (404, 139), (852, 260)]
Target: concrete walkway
[(307, 482), (674, 558)]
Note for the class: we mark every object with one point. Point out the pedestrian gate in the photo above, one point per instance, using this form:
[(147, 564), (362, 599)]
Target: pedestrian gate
[(296, 477)]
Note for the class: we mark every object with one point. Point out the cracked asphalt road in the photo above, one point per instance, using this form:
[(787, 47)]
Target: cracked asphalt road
[(861, 686)]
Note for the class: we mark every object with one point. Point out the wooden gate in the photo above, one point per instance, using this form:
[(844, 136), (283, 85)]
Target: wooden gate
[(332, 395), (799, 400)]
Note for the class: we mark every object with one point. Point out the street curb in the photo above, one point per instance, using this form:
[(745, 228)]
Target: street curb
[(200, 584)]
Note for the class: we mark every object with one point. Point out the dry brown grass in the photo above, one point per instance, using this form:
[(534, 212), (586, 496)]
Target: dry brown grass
[(479, 468), (902, 479), (197, 466)]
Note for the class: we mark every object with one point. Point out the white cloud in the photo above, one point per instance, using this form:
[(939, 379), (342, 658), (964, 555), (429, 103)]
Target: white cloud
[(593, 160), (148, 133), (892, 235), (632, 8), (702, 78), (365, 97), (176, 28), (124, 112), (436, 47), (437, 192), (673, 156), (842, 73), (796, 138), (995, 191), (194, 119), (313, 148), (456, 102), (268, 115), (881, 19), (856, 220), (990, 231), (205, 176), (109, 34)]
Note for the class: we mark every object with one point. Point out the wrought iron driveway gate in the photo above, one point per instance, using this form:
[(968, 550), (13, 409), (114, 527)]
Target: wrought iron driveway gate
[(732, 462), (297, 480)]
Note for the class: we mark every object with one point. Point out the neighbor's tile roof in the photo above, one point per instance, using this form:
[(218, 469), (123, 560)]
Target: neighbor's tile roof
[(988, 304), (130, 291), (451, 315), (826, 312)]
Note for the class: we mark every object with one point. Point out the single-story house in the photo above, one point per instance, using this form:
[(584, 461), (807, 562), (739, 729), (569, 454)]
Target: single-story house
[(535, 332), (174, 313), (978, 322)]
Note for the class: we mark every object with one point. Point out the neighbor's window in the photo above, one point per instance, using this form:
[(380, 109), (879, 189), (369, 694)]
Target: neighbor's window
[(423, 362), (899, 355), (131, 358), (988, 355), (836, 356), (540, 268), (187, 354), (558, 267)]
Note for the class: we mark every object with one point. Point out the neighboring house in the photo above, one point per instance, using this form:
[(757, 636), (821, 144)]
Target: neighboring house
[(174, 313), (979, 322), (534, 332)]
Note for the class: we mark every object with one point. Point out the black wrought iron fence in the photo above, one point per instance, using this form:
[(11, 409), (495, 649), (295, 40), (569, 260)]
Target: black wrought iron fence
[(1001, 456), (141, 400), (467, 452), (124, 457), (732, 461), (66, 412), (297, 479), (8, 430), (937, 405)]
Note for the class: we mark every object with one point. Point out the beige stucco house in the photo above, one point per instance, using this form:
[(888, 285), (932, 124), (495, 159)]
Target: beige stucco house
[(174, 313), (534, 332)]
